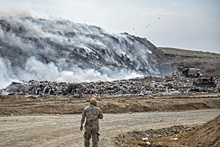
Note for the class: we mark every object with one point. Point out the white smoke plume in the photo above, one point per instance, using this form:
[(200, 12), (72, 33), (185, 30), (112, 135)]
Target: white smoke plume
[(63, 51)]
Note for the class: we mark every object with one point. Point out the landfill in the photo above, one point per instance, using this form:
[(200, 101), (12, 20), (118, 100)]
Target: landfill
[(169, 85)]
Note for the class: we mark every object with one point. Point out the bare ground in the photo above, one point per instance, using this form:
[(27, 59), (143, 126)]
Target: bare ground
[(55, 121), (19, 105), (63, 130)]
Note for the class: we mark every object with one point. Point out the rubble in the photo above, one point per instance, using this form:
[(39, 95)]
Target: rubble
[(146, 136), (170, 85)]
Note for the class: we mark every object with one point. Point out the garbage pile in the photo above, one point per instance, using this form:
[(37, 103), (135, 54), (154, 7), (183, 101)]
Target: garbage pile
[(174, 84)]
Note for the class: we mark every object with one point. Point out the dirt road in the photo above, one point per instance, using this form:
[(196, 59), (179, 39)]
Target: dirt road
[(63, 130)]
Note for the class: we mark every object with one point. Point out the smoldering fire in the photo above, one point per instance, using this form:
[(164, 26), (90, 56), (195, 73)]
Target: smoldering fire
[(60, 50)]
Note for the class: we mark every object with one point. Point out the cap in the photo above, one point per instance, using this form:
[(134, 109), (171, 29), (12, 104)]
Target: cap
[(93, 101)]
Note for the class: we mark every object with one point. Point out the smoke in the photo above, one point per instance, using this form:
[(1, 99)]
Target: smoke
[(22, 11), (63, 51), (17, 13), (35, 69), (6, 74)]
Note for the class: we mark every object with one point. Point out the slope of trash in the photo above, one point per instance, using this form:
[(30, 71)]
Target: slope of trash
[(61, 50)]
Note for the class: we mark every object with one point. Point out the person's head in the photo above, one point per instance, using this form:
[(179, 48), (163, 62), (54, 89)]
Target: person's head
[(93, 101)]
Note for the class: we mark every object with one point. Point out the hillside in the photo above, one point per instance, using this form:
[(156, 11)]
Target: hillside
[(207, 62), (61, 50), (64, 51)]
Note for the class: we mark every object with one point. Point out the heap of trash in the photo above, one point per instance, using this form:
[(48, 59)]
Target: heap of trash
[(174, 84)]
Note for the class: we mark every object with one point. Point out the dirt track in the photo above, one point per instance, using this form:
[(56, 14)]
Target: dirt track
[(63, 130)]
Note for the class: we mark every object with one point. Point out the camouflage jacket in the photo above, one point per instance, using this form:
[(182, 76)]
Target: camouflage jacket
[(92, 114)]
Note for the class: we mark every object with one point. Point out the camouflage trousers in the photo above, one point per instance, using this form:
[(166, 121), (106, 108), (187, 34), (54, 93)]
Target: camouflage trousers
[(95, 137)]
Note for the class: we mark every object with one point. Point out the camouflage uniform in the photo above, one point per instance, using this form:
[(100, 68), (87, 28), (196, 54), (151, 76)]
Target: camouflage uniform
[(92, 114)]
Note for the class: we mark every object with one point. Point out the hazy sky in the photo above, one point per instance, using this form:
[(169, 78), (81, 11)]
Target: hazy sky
[(187, 24)]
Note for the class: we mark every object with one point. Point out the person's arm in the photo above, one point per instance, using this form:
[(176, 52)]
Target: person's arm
[(81, 127), (82, 120), (100, 114)]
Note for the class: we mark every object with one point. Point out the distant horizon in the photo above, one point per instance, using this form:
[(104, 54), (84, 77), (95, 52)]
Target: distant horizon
[(187, 49)]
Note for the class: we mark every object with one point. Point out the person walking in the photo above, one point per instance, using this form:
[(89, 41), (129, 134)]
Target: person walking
[(91, 115)]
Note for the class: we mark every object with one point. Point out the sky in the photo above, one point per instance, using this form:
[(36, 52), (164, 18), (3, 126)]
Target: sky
[(185, 24)]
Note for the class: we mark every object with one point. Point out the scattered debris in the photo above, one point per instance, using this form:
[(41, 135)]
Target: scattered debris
[(170, 85), (128, 137)]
